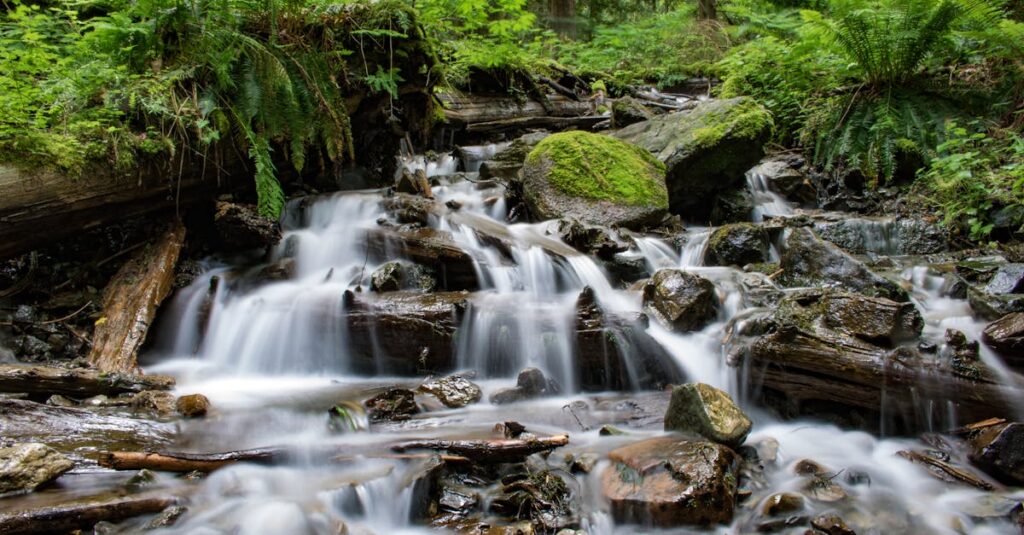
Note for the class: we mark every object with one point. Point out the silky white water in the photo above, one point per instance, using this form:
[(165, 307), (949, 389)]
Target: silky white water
[(272, 354)]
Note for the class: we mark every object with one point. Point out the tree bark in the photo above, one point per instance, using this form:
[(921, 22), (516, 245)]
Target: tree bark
[(464, 110), (488, 451), (76, 383), (186, 462), (130, 302), (71, 517)]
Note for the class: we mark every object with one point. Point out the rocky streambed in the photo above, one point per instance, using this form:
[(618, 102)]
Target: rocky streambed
[(435, 357)]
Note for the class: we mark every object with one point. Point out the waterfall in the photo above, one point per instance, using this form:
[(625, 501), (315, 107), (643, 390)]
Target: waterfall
[(766, 201)]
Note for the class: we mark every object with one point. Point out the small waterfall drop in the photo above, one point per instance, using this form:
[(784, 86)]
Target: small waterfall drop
[(766, 201)]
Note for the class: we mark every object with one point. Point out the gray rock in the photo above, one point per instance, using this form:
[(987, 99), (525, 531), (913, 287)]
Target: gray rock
[(505, 165), (1008, 279), (737, 245), (783, 173), (628, 110), (25, 467), (809, 261), (706, 150), (530, 383), (680, 301), (395, 276), (707, 411), (453, 391), (873, 319)]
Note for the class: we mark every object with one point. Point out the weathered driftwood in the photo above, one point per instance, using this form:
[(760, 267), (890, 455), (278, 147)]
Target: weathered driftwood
[(488, 451), (76, 516), (946, 471), (131, 299), (464, 110), (807, 369), (40, 207), (70, 428), (186, 462), (76, 383)]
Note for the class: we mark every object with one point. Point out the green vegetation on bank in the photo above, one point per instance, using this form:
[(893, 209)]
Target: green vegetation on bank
[(928, 92)]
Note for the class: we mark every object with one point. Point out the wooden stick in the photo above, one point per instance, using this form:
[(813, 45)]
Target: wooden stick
[(71, 517), (488, 451), (186, 462), (945, 471)]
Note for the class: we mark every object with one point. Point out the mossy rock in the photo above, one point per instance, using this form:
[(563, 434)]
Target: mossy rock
[(594, 179), (738, 244), (706, 150)]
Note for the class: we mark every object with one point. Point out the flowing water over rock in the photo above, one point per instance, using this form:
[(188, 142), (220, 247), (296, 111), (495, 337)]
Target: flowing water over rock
[(274, 344)]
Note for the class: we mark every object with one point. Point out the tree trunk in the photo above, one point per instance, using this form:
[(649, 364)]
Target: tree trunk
[(488, 451), (81, 516), (465, 110), (130, 302), (707, 10)]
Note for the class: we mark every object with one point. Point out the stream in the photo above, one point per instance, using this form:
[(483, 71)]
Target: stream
[(272, 356)]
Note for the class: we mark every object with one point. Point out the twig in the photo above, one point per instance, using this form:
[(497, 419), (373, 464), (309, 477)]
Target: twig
[(69, 316)]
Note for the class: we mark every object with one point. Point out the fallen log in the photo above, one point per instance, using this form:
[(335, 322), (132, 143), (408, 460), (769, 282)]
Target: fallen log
[(130, 302), (76, 383), (81, 516), (69, 428), (521, 123), (487, 451), (945, 471), (38, 208), (464, 110), (186, 462), (558, 88)]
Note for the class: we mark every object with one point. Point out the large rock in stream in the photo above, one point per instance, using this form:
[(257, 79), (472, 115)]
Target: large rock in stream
[(670, 482), (25, 467), (738, 244), (1006, 337), (709, 412), (837, 355), (594, 179), (809, 261), (706, 150), (680, 301), (453, 267)]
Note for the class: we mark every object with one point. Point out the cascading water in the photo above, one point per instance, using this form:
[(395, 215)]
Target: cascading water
[(270, 351), (766, 201)]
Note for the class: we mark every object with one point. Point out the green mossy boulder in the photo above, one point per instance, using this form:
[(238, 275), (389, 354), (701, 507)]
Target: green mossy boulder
[(709, 412), (706, 150), (737, 245), (594, 179)]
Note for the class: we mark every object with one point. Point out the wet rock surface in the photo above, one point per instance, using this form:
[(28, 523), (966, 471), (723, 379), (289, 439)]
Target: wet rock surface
[(1006, 336), (709, 412), (394, 404), (679, 300), (706, 150), (999, 451), (505, 165), (192, 405), (737, 245), (669, 482), (395, 276), (240, 227), (809, 261), (454, 391), (25, 467), (531, 383)]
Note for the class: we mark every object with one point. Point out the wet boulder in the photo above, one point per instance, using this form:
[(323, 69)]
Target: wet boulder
[(156, 401), (809, 261), (873, 319), (241, 227), (628, 110), (895, 236), (784, 173), (590, 239), (395, 276), (435, 250), (999, 451), (1008, 279), (531, 383), (680, 301), (595, 179), (505, 165), (706, 150), (454, 391), (1006, 336), (192, 405), (737, 245), (394, 404), (669, 482), (25, 467), (732, 207), (707, 411)]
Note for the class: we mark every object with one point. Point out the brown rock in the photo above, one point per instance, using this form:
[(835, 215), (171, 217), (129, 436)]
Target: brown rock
[(668, 481), (1006, 336), (193, 405)]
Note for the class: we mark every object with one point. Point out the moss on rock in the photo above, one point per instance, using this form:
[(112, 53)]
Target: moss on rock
[(594, 178)]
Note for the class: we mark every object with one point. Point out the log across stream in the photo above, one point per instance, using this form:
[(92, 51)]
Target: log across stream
[(288, 359)]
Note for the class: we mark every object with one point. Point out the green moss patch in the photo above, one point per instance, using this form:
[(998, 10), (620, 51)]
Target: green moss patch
[(747, 119), (600, 167)]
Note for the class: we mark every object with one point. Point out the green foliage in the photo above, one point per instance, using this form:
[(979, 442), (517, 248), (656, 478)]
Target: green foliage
[(975, 177), (601, 167)]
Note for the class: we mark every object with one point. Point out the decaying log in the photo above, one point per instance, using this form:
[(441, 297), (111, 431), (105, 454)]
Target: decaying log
[(463, 110), (488, 451), (520, 123), (71, 517), (558, 88), (186, 462), (808, 368), (76, 383), (130, 302), (945, 471), (40, 207), (70, 428)]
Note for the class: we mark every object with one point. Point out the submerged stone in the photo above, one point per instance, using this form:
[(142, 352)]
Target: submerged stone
[(669, 482), (595, 179), (707, 411), (25, 467)]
